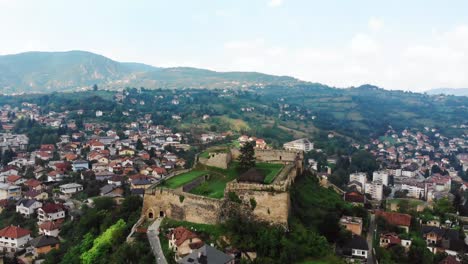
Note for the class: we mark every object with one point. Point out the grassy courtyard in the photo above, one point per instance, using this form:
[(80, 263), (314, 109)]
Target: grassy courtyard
[(184, 178), (218, 178), (214, 187)]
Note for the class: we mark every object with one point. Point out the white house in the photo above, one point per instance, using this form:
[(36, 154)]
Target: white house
[(71, 188), (13, 238), (8, 191), (99, 113), (50, 212), (27, 207)]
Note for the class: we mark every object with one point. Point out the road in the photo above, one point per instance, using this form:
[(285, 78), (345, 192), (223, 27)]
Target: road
[(153, 238), (370, 235)]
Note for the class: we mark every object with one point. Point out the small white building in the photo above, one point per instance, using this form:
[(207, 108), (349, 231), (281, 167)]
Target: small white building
[(71, 188), (27, 207), (99, 113)]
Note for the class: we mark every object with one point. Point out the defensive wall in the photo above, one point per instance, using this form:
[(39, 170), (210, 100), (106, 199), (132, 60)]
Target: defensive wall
[(265, 202)]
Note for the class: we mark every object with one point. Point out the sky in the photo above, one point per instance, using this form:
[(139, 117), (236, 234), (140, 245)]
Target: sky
[(399, 44)]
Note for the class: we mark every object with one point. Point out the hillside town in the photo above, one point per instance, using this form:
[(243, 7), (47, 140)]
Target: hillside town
[(47, 181)]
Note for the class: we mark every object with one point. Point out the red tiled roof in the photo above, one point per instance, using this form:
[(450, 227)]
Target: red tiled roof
[(52, 208), (449, 260), (393, 237), (32, 183), (354, 197), (14, 232), (13, 178), (49, 225), (395, 218), (181, 234)]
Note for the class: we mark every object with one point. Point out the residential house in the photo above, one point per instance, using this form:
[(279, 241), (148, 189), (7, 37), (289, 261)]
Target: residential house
[(14, 238), (33, 184), (15, 180), (182, 241), (27, 207), (51, 212), (8, 191), (446, 240), (391, 239), (70, 188), (44, 244), (207, 254), (111, 190), (50, 228), (116, 180), (38, 195), (355, 197), (356, 248), (79, 165), (351, 223), (397, 219)]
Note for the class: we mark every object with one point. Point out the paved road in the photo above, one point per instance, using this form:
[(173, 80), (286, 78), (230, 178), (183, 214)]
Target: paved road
[(153, 232), (370, 234)]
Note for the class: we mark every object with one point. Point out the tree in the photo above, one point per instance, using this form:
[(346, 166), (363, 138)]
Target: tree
[(443, 206), (95, 87), (247, 156), (139, 145)]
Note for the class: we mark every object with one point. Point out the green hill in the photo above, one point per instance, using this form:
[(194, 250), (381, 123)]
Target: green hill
[(72, 70)]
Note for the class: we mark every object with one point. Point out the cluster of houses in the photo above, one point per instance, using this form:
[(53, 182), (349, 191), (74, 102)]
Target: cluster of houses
[(45, 183)]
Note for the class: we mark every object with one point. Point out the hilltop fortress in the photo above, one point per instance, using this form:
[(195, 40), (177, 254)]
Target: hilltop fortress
[(265, 202)]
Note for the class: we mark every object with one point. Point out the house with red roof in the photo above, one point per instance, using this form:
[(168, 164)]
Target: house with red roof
[(182, 241), (96, 145), (15, 179), (33, 184), (14, 238), (38, 195), (391, 239), (47, 148), (50, 228), (51, 212), (397, 219)]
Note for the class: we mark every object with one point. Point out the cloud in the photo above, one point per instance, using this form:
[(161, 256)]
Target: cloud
[(275, 3), (440, 60), (362, 44), (375, 24)]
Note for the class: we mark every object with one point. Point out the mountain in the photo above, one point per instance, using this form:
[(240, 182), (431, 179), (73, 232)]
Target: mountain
[(449, 91), (72, 70)]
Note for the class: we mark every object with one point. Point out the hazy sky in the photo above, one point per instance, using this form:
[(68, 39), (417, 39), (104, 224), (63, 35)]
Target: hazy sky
[(411, 45)]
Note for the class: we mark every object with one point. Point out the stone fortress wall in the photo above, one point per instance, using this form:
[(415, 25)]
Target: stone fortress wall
[(217, 158), (272, 201)]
